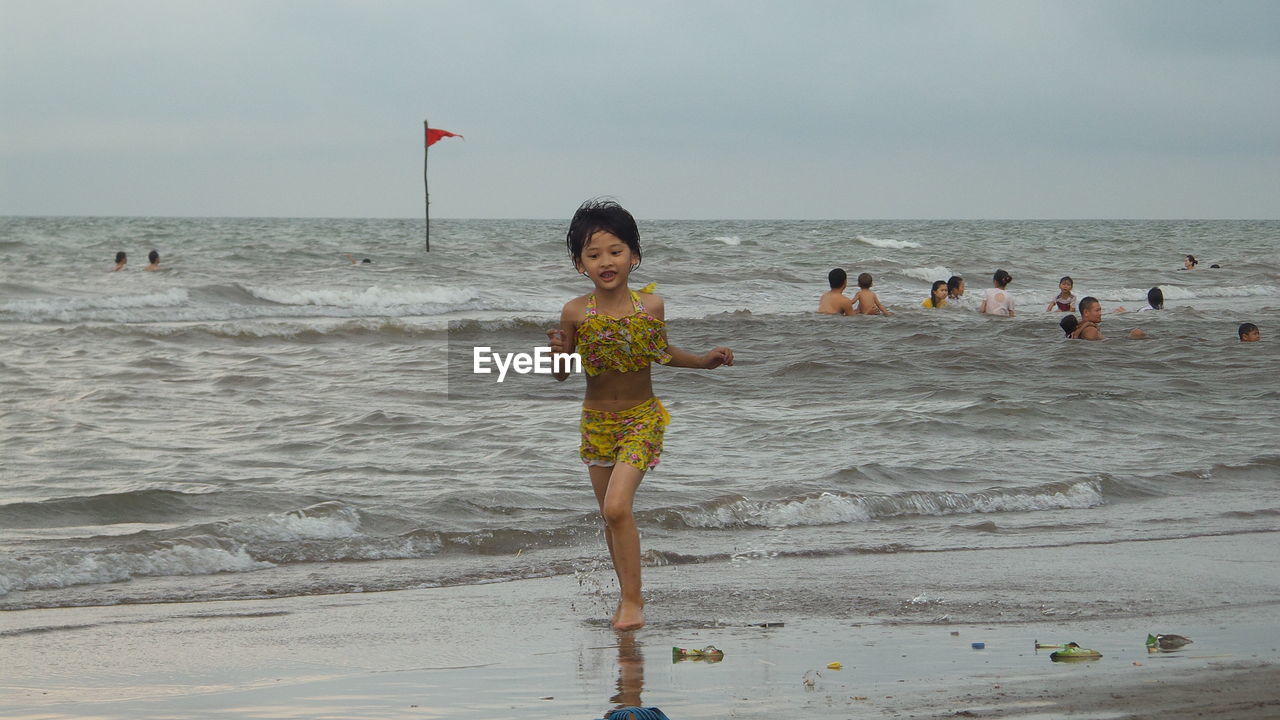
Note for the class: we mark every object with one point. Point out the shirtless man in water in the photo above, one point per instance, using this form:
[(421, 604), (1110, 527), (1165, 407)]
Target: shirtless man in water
[(834, 301), (1091, 317)]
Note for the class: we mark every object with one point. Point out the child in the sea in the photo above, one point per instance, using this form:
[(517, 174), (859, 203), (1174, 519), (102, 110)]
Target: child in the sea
[(1249, 332), (937, 295), (121, 259), (865, 302), (1066, 300), (834, 301), (154, 258), (996, 300), (618, 333)]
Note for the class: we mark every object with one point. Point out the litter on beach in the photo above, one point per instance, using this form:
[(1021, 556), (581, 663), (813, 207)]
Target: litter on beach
[(1072, 651), (709, 653)]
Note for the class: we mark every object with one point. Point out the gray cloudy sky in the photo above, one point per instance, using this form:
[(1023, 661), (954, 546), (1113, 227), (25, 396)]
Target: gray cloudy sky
[(680, 109)]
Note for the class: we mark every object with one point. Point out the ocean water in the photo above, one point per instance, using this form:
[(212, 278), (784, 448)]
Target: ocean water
[(263, 418)]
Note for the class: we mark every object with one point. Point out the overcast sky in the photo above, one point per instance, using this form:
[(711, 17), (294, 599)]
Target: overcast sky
[(680, 109)]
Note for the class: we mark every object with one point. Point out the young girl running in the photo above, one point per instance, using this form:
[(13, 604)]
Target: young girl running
[(618, 333)]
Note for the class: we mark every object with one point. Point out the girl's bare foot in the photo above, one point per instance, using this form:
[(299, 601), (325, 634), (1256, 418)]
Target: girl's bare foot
[(629, 616)]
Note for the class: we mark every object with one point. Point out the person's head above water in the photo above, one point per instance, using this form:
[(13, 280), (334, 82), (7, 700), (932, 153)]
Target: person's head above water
[(600, 215), (122, 257), (1001, 278), (838, 278), (937, 293), (1068, 324), (1249, 332), (153, 257), (1155, 298), (955, 286)]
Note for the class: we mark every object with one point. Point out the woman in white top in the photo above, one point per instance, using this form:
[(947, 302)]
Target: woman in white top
[(996, 300)]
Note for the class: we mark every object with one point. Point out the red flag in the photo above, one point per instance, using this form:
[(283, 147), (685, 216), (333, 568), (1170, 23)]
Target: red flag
[(434, 134)]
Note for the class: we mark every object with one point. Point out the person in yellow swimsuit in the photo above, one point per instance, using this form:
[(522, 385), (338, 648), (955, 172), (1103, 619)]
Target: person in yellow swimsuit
[(618, 333)]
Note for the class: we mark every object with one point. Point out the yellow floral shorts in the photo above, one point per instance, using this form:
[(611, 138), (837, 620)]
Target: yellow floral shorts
[(632, 436)]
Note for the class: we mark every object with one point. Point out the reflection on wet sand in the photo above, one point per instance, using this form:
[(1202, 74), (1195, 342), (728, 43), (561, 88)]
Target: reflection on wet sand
[(627, 704)]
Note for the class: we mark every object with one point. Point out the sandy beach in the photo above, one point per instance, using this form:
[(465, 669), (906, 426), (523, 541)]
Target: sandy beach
[(542, 647)]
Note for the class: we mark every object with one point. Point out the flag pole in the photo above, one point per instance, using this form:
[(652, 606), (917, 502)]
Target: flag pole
[(426, 194)]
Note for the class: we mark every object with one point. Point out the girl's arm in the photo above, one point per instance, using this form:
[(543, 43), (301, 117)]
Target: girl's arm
[(564, 338), (713, 358), (709, 360)]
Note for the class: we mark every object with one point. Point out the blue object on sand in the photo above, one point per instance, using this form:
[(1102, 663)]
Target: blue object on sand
[(635, 713)]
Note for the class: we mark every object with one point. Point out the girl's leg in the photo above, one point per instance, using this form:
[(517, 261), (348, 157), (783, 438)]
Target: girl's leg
[(615, 490)]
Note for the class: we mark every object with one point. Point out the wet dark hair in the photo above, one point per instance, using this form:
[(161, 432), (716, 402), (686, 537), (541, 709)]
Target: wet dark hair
[(1002, 278), (121, 257), (1065, 278), (153, 257), (864, 280), (838, 278), (1245, 329), (599, 214), (933, 302), (1088, 302), (953, 284), (1193, 260), (1068, 323), (366, 260), (1155, 298)]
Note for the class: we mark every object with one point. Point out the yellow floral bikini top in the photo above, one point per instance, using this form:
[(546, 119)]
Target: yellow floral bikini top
[(625, 344)]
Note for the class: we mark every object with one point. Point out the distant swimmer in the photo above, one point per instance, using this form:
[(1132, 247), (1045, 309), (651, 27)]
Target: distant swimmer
[(154, 258), (834, 301), (1190, 262), (1249, 332), (866, 302), (357, 262), (121, 259)]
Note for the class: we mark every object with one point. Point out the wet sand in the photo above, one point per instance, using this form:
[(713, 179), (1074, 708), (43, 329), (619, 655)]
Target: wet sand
[(901, 624)]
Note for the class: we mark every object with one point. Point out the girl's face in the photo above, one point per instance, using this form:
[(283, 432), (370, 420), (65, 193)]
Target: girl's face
[(606, 259), (960, 289), (1065, 286), (1186, 263), (940, 294)]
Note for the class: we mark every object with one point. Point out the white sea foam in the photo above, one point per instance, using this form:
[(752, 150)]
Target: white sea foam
[(831, 509), (370, 298), (67, 309), (886, 242), (325, 521), (729, 239), (67, 569), (927, 274)]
